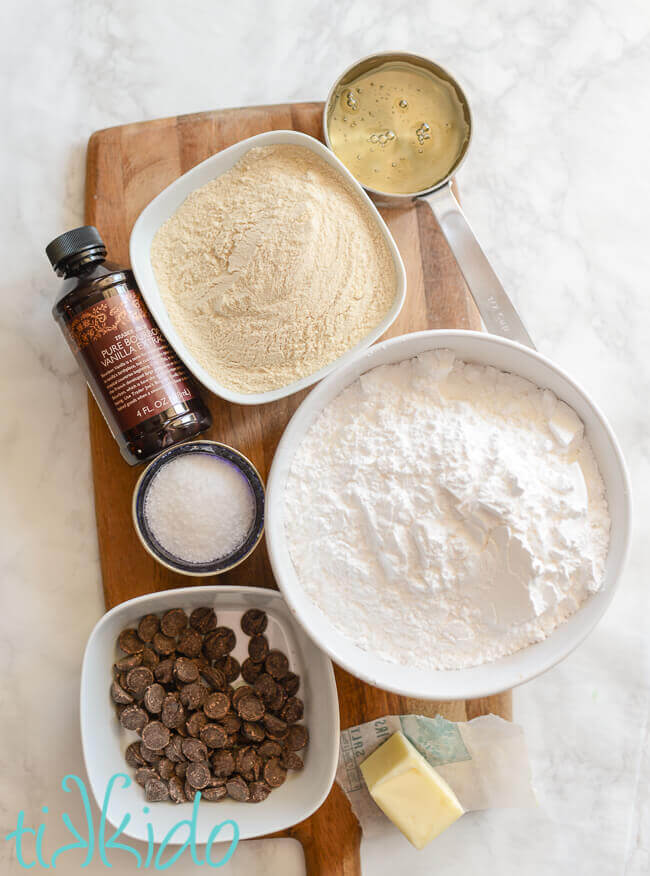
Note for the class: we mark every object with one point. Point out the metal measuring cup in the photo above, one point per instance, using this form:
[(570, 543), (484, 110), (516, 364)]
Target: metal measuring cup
[(494, 305)]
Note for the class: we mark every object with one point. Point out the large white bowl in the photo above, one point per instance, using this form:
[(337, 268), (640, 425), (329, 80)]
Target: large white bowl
[(170, 199), (104, 741), (508, 671)]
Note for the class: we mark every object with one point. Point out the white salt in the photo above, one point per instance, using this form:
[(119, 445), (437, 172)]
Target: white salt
[(199, 507)]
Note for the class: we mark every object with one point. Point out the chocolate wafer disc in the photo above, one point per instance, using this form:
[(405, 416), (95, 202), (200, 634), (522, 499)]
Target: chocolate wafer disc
[(194, 750), (155, 735), (173, 622), (156, 791), (190, 643), (254, 621), (176, 792), (154, 697), (237, 789), (130, 642), (133, 718), (259, 791), (274, 773), (203, 620), (213, 795), (148, 627), (198, 775)]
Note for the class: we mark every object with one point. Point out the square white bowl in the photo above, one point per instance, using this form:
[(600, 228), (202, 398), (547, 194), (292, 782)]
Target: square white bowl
[(104, 741), (170, 199)]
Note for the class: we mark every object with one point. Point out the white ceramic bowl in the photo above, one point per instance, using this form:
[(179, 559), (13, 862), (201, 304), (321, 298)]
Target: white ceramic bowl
[(508, 671), (104, 741), (169, 200)]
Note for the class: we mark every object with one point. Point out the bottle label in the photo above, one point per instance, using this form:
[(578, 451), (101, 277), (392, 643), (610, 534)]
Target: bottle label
[(137, 371)]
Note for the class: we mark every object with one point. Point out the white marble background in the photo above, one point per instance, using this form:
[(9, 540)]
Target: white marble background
[(557, 186)]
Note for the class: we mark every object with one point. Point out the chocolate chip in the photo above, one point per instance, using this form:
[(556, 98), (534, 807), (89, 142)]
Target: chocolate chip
[(156, 791), (293, 710), (138, 680), (248, 763), (258, 649), (166, 768), (275, 727), (133, 718), (181, 770), (203, 620), (250, 708), (154, 697), (129, 662), (274, 773), (276, 664), (148, 627), (216, 706), (265, 686), (277, 701), (130, 642), (237, 789), (219, 643), (133, 757), (193, 695), (194, 750), (254, 621), (251, 670), (198, 775), (164, 671), (213, 735), (231, 723), (213, 795), (195, 723), (189, 791), (252, 732), (242, 691), (155, 735), (259, 791), (230, 668), (150, 658), (214, 677), (223, 763), (164, 645), (190, 643), (119, 695), (269, 749), (185, 670), (291, 761), (173, 713), (291, 683), (145, 774), (148, 755), (176, 792), (174, 750), (297, 737), (173, 622)]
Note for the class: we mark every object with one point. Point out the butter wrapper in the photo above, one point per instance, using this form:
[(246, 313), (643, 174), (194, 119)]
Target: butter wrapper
[(484, 761)]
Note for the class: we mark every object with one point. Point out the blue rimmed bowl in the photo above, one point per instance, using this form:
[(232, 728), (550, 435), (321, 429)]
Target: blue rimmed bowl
[(157, 550)]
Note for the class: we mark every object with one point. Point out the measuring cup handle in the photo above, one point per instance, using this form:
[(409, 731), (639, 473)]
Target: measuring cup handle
[(496, 309)]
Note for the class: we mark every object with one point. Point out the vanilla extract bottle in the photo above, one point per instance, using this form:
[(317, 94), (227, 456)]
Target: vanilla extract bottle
[(145, 393)]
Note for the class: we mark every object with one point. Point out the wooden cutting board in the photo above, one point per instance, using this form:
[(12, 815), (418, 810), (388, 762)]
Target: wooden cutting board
[(126, 167)]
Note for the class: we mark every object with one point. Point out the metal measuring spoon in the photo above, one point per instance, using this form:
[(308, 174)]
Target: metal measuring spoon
[(494, 305)]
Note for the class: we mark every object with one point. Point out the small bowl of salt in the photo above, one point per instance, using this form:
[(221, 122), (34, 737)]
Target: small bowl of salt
[(198, 508)]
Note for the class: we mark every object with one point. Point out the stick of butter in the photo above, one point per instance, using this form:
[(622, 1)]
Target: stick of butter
[(409, 791)]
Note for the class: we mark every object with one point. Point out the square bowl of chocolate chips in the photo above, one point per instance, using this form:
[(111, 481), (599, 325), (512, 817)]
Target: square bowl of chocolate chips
[(210, 691)]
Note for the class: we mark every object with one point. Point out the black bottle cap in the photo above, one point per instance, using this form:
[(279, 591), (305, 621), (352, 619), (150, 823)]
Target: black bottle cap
[(70, 244)]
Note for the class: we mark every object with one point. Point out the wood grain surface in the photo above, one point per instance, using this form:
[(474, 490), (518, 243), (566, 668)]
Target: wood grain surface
[(126, 167)]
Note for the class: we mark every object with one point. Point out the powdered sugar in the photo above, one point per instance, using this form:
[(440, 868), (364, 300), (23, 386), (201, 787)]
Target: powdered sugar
[(199, 508), (455, 513)]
